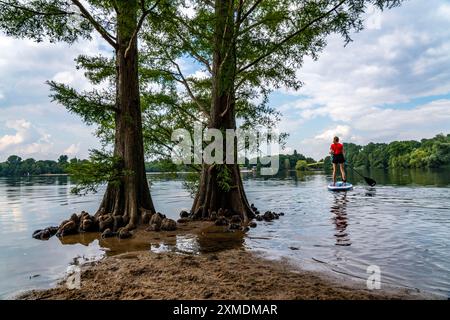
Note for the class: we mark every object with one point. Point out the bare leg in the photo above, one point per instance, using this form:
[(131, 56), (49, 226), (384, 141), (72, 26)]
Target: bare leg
[(334, 173), (341, 166)]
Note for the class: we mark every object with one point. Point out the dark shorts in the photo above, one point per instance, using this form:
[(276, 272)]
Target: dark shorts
[(338, 158)]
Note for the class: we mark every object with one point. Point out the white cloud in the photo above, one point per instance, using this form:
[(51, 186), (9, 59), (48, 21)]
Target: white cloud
[(66, 77), (27, 139), (21, 127), (342, 131), (73, 149)]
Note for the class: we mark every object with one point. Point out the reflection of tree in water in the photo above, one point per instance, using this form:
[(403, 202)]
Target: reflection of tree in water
[(214, 239), (210, 239), (339, 209)]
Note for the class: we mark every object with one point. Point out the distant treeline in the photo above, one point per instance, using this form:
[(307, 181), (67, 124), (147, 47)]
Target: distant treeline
[(286, 161), (428, 153), (15, 166)]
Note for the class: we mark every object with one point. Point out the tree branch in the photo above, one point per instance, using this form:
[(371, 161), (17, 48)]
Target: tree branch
[(39, 13), (144, 15), (186, 85), (281, 43), (85, 13), (195, 54), (245, 16)]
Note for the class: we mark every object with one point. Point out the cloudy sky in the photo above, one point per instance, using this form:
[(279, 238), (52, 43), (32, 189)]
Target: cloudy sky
[(391, 83)]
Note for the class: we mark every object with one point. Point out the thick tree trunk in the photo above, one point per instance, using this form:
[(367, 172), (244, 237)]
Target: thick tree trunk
[(132, 193), (211, 196)]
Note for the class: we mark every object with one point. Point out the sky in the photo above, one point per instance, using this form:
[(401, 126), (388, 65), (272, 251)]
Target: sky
[(391, 83)]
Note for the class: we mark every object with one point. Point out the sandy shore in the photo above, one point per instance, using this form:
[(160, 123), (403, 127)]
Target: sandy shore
[(233, 273)]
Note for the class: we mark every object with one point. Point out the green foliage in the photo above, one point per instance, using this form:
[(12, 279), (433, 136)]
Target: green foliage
[(90, 174), (94, 106), (54, 20), (191, 183), (15, 166), (429, 153), (286, 161), (301, 165), (224, 179)]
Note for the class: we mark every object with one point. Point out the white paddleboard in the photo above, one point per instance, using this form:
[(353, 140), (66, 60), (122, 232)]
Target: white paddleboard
[(340, 186)]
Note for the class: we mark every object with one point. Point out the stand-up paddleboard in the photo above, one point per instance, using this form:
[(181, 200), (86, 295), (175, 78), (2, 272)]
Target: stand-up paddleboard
[(340, 186)]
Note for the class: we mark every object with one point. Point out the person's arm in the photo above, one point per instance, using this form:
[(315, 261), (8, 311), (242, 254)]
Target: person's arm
[(331, 150)]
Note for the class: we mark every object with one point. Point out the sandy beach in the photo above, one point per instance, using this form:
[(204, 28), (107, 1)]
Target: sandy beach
[(228, 274)]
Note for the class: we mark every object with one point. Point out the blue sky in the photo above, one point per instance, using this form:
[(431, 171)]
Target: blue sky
[(391, 83)]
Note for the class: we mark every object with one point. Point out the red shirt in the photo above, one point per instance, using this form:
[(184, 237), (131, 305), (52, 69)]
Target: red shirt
[(337, 148)]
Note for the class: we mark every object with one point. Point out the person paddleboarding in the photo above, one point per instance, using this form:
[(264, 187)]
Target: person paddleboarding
[(337, 154)]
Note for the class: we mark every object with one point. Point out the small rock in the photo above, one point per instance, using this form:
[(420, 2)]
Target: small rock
[(268, 216), (293, 248), (123, 233), (259, 218), (184, 214), (234, 226), (161, 215), (105, 221), (45, 234), (67, 227), (281, 213), (156, 220), (221, 221), (252, 224), (87, 223), (227, 213), (246, 229), (220, 212), (74, 217), (168, 225), (107, 233), (213, 216), (207, 294)]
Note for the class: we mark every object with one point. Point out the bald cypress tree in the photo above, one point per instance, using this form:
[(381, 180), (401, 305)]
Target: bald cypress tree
[(248, 48), (118, 22)]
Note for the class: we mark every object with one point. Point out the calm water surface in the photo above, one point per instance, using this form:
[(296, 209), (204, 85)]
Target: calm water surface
[(402, 225)]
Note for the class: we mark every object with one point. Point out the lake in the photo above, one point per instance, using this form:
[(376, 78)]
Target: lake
[(402, 225)]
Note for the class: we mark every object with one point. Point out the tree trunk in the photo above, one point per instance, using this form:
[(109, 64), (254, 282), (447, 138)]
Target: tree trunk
[(132, 193), (212, 195)]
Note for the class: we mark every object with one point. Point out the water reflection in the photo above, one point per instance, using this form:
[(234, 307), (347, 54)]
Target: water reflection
[(340, 220), (209, 239), (370, 192)]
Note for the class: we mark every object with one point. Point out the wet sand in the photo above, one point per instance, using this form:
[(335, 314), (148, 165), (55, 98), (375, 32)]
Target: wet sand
[(233, 273)]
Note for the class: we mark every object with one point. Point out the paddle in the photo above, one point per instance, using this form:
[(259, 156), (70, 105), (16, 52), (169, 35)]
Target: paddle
[(369, 181)]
